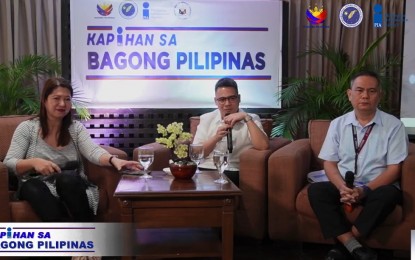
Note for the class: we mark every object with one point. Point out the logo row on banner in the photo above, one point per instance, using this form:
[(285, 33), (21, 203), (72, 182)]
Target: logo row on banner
[(130, 9), (352, 15)]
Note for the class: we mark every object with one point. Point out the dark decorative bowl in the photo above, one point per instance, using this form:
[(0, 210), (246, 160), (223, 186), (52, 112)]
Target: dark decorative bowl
[(183, 171)]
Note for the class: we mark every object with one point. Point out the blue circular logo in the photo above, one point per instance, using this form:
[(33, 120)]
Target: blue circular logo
[(128, 10), (351, 15)]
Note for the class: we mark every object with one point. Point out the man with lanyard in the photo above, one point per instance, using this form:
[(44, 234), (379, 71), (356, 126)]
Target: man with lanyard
[(369, 144)]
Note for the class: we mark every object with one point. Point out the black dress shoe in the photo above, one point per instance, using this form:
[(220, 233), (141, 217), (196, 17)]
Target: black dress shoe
[(364, 253), (339, 252)]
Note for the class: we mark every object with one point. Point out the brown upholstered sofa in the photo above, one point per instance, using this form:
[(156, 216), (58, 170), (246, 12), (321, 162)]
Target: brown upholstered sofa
[(251, 215), (20, 211), (290, 214)]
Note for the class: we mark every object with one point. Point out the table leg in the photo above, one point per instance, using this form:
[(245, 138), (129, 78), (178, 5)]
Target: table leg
[(227, 230), (129, 235)]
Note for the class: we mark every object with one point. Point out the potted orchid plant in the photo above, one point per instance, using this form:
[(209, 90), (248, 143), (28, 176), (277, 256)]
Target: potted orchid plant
[(173, 137)]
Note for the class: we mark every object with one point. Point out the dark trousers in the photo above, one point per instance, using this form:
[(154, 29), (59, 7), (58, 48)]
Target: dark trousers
[(325, 202), (233, 176), (72, 199)]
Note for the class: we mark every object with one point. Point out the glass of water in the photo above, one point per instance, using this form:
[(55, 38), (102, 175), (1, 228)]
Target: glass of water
[(146, 158), (196, 154), (220, 159)]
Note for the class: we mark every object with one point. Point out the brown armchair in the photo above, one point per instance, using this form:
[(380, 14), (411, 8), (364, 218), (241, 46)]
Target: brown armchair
[(106, 178), (290, 213), (251, 215)]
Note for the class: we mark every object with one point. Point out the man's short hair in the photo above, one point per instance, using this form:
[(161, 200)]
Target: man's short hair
[(226, 82), (365, 73)]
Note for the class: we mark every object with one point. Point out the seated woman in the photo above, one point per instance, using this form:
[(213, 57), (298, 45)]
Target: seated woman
[(46, 154)]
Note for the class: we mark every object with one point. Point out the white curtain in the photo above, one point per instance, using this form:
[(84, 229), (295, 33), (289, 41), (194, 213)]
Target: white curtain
[(29, 27)]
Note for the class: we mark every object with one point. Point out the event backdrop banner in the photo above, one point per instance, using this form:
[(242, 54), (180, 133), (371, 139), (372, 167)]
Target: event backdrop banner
[(169, 54)]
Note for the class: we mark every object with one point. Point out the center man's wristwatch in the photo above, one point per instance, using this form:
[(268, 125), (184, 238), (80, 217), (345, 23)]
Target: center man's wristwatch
[(247, 118)]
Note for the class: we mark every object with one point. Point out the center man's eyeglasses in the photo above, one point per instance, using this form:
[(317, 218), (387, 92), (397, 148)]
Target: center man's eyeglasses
[(231, 99)]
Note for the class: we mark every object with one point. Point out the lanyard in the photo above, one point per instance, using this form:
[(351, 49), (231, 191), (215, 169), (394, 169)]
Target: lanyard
[(358, 147)]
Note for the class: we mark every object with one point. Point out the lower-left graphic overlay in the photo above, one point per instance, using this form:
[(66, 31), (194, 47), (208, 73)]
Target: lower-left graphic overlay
[(65, 239)]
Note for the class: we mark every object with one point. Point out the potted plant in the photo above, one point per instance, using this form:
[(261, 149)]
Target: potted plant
[(177, 140), (317, 97), (19, 85)]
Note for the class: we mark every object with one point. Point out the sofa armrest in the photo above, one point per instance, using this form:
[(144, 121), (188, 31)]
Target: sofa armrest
[(253, 175), (162, 155), (287, 175), (278, 142), (4, 194), (106, 178), (294, 159), (115, 151), (251, 212)]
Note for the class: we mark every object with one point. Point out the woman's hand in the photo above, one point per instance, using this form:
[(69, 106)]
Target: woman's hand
[(120, 164), (45, 167)]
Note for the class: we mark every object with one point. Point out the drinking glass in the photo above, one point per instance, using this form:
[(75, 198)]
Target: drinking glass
[(196, 154), (220, 159), (146, 158)]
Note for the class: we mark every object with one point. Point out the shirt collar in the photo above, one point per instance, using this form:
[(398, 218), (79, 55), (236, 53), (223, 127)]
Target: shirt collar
[(351, 119)]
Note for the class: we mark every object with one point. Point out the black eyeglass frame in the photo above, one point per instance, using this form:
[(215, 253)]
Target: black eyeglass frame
[(231, 99)]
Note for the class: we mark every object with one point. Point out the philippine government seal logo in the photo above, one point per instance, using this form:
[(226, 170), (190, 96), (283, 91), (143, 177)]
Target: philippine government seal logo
[(128, 9), (104, 9), (351, 15), (316, 15), (182, 10)]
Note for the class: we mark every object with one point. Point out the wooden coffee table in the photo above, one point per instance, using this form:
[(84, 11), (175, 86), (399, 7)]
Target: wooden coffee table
[(179, 218)]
